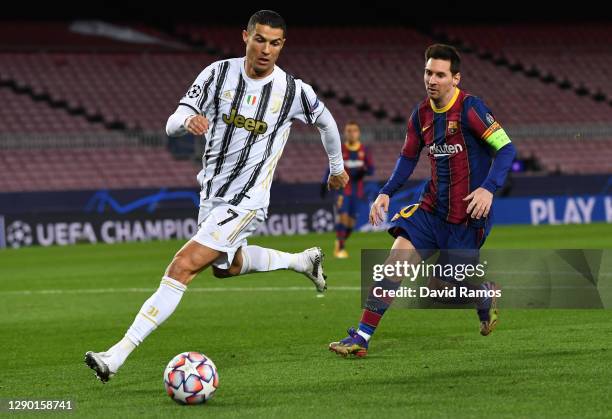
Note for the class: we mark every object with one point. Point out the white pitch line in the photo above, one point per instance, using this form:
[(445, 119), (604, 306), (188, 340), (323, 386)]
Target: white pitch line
[(250, 289), (151, 290)]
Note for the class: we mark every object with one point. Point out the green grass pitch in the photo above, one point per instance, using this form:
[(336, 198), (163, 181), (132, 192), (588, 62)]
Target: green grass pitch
[(269, 341)]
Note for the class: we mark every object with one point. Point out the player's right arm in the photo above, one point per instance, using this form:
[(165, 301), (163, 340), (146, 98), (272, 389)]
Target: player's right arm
[(406, 162), (189, 116)]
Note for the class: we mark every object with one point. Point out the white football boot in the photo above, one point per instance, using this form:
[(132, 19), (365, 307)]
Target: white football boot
[(314, 268), (101, 363)]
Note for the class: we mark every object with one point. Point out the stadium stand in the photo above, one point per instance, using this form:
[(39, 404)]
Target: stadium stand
[(69, 83), (383, 66), (578, 53), (92, 168), (138, 89), (21, 114)]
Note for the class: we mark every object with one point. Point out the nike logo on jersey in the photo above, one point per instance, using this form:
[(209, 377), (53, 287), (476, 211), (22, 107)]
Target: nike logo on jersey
[(425, 128), (249, 124)]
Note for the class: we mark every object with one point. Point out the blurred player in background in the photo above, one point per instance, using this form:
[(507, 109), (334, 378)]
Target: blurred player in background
[(470, 156), (358, 164), (244, 107)]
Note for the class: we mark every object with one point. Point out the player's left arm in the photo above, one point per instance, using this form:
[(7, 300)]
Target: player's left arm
[(484, 126), (330, 137), (314, 112)]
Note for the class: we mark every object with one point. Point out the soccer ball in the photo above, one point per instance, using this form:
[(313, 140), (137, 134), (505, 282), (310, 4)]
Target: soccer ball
[(191, 378)]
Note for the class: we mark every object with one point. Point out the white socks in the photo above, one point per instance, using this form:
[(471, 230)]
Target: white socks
[(260, 259), (364, 335), (118, 353), (167, 297), (156, 309), (153, 313)]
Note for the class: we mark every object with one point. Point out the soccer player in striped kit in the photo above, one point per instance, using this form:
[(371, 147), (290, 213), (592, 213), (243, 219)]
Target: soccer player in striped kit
[(244, 107), (470, 155)]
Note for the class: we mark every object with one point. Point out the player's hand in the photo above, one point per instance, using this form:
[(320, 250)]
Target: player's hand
[(197, 125), (338, 181), (480, 203), (379, 208)]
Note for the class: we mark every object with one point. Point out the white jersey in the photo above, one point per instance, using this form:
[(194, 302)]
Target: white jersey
[(249, 123)]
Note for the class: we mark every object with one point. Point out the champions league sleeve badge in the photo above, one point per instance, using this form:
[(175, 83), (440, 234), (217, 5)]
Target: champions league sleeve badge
[(194, 91)]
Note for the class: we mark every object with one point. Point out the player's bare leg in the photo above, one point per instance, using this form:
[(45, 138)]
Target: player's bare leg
[(259, 259), (356, 343), (190, 260)]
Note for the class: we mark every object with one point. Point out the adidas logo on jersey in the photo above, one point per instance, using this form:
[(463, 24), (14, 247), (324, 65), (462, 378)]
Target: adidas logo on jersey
[(249, 124), (445, 149)]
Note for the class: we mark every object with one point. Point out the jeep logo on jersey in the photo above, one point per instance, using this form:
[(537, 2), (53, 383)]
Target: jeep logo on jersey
[(249, 124), (445, 149)]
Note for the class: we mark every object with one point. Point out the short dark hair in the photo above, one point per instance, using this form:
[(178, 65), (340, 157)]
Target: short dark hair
[(352, 122), (444, 52), (269, 18)]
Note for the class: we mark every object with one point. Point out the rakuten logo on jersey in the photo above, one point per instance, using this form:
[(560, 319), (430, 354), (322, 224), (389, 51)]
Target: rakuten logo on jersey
[(444, 150), (353, 164)]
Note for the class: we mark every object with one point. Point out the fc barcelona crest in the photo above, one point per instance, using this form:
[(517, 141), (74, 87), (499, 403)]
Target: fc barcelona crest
[(452, 127)]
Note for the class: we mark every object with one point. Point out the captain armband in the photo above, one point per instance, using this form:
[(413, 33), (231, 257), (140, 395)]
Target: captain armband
[(495, 136)]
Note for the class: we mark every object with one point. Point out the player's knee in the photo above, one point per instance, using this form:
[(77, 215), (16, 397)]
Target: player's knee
[(182, 268)]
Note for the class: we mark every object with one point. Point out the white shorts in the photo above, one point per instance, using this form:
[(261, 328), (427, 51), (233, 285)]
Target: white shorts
[(225, 228)]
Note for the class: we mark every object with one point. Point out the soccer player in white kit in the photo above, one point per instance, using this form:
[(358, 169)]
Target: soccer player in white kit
[(244, 107)]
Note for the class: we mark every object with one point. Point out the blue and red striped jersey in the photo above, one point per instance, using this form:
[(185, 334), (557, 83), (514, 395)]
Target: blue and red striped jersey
[(358, 163), (460, 140)]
